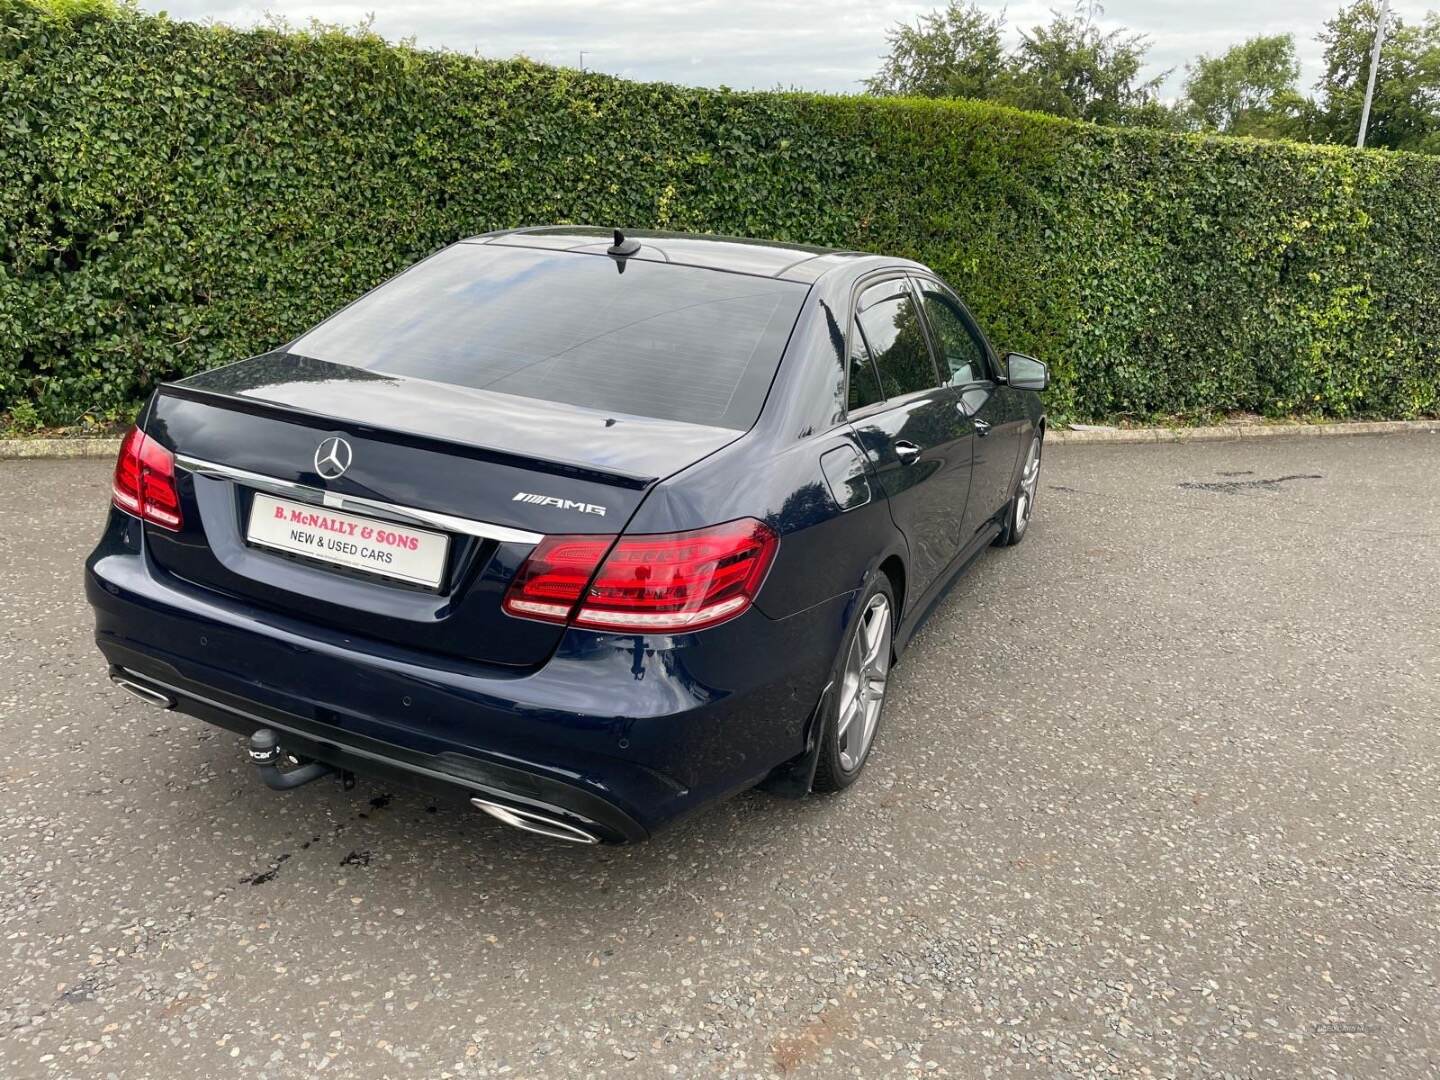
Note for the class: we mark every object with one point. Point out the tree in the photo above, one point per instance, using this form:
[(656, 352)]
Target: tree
[(1250, 89), (1405, 114), (951, 53), (1071, 68)]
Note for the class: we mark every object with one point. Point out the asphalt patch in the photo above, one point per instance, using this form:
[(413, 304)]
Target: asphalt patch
[(1234, 487)]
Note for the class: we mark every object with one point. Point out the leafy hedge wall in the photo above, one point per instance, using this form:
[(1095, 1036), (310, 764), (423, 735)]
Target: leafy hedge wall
[(174, 197)]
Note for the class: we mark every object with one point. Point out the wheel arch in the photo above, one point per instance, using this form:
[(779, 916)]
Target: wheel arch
[(893, 567)]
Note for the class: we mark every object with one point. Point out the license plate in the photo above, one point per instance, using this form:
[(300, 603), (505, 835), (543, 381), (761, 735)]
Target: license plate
[(378, 547)]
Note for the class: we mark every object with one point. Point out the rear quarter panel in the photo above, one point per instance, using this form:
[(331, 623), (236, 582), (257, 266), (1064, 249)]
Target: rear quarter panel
[(824, 551)]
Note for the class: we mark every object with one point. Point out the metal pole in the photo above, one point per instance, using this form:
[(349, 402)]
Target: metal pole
[(1374, 63)]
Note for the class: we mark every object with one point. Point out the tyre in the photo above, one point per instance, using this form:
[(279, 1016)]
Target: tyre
[(1022, 503), (862, 672)]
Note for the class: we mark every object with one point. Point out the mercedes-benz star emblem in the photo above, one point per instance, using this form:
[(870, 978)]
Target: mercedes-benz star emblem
[(332, 457)]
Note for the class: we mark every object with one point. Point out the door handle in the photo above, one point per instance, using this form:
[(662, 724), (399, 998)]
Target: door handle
[(906, 452), (981, 427)]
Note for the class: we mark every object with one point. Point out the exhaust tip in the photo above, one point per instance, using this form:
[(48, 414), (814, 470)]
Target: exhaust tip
[(148, 694), (533, 822)]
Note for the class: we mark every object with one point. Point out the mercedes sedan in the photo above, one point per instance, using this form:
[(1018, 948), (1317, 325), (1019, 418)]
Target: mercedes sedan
[(586, 530)]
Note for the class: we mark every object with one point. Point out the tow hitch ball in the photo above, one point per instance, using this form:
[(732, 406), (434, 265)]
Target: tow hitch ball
[(266, 754)]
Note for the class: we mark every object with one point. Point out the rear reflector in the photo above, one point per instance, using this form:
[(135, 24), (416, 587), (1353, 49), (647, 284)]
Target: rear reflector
[(145, 481), (662, 583)]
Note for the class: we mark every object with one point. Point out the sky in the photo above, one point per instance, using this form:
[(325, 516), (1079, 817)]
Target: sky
[(765, 44)]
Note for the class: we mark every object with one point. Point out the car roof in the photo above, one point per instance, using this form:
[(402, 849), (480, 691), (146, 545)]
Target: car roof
[(733, 254)]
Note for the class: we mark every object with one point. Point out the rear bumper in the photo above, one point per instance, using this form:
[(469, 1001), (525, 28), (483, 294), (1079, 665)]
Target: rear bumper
[(454, 775), (620, 734)]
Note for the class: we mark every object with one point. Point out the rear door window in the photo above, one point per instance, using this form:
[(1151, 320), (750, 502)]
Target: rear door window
[(963, 352), (864, 383), (659, 340), (890, 323)]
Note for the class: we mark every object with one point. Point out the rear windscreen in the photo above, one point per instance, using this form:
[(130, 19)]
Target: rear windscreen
[(659, 340)]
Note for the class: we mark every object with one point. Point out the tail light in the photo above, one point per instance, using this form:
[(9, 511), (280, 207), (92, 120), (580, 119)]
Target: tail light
[(145, 481), (662, 583)]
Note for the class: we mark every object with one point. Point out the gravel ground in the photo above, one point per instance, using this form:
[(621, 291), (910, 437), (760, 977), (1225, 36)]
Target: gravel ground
[(1156, 794)]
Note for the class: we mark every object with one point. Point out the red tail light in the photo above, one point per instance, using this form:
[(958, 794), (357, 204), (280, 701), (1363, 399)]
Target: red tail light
[(145, 481), (554, 575), (663, 583)]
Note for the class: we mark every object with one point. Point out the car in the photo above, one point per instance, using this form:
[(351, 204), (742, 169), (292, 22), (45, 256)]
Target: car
[(586, 529)]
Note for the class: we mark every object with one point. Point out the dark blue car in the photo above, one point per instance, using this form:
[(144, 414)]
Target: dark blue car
[(587, 530)]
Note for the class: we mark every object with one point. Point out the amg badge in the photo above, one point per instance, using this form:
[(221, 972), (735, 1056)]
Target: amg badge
[(558, 503)]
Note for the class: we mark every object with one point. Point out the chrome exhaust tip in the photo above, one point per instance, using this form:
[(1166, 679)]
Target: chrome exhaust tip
[(147, 694), (534, 822)]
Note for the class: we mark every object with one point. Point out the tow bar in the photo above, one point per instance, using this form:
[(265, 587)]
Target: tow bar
[(266, 754)]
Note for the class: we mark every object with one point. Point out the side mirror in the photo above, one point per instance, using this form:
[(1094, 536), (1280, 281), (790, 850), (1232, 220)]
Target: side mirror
[(1025, 372)]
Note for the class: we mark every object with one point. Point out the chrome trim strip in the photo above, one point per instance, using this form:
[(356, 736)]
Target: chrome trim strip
[(335, 501)]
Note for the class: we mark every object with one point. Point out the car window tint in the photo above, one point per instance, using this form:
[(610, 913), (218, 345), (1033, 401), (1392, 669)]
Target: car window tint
[(864, 384), (661, 340), (892, 329), (964, 353)]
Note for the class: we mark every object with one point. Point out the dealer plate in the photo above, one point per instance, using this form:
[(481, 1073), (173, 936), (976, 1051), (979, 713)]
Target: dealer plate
[(378, 547)]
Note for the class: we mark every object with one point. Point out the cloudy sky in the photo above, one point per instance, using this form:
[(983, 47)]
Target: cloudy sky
[(765, 43)]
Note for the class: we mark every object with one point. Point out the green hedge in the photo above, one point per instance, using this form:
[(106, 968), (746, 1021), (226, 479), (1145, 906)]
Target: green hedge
[(174, 197)]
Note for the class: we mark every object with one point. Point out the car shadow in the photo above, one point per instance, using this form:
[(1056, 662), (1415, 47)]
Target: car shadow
[(404, 849)]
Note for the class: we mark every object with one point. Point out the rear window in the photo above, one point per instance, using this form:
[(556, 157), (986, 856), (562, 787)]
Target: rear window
[(672, 342)]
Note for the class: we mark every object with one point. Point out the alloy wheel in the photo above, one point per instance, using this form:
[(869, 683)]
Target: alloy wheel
[(862, 687), (1029, 484)]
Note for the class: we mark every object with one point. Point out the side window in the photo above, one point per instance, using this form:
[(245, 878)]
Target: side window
[(864, 384), (957, 338), (891, 324)]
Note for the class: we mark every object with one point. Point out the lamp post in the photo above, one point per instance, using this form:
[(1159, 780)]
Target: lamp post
[(1370, 84)]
